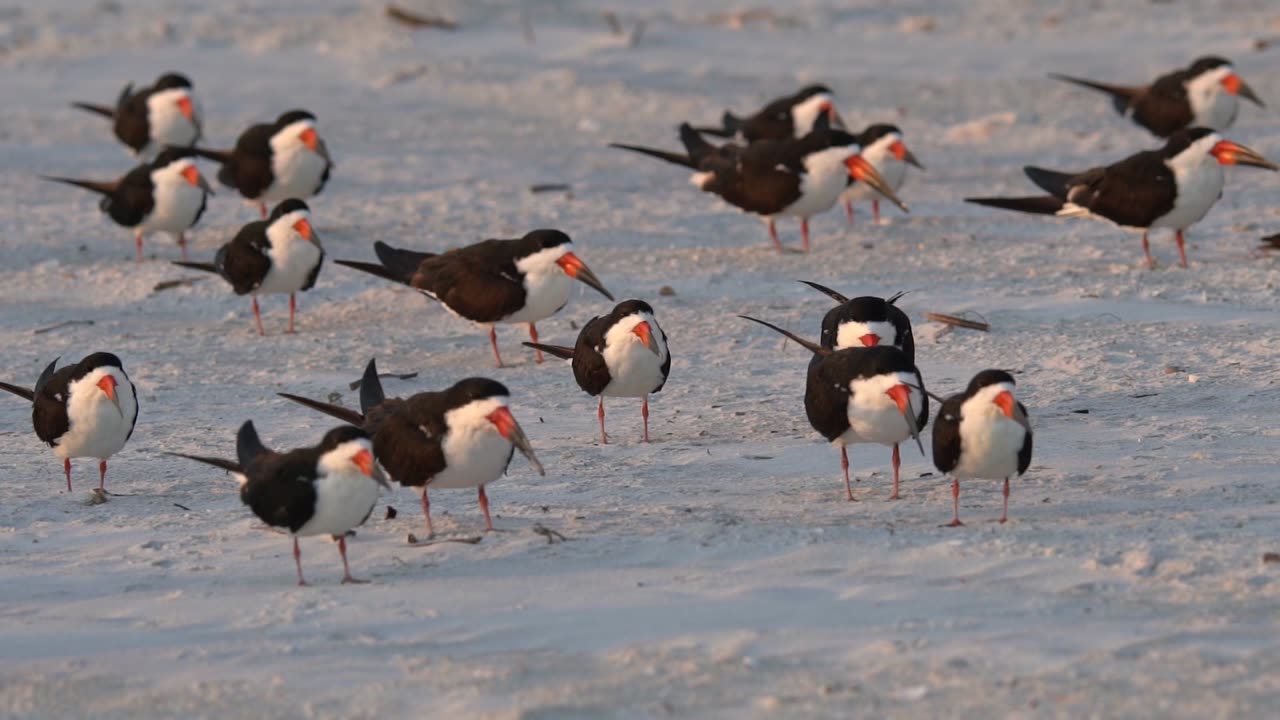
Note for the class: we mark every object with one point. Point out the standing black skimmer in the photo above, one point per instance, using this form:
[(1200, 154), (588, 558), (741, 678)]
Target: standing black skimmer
[(982, 433), (792, 116), (462, 437), (1206, 94), (865, 321), (163, 114), (862, 395), (777, 178), (272, 162), (622, 354), (84, 410), (167, 195), (279, 255), (1173, 187), (328, 489), (882, 146), (495, 281)]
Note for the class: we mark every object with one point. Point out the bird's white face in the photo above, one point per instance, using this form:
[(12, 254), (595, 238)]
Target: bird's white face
[(174, 117), (350, 460), (805, 114), (179, 192), (854, 334), (294, 250), (993, 402), (294, 227), (879, 408), (1212, 105), (295, 137), (101, 407), (639, 329), (826, 176), (548, 280)]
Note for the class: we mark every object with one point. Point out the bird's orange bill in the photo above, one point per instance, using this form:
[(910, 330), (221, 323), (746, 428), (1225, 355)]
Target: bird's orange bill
[(869, 340), (578, 270), (508, 428), (1230, 153), (187, 108), (1004, 401), (901, 395), (900, 151), (862, 171), (108, 386), (1237, 86), (193, 176), (303, 227), (645, 333)]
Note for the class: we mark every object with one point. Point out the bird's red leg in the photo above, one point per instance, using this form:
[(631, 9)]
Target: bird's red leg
[(484, 508), (297, 560), (293, 309), (1182, 249), (257, 315), (346, 570), (844, 465), (137, 243), (493, 340), (644, 413), (773, 235), (875, 211), (604, 439), (1146, 250), (955, 503), (182, 243), (804, 234), (897, 462), (66, 468), (426, 513), (848, 211), (102, 475), (533, 335), (262, 208), (1004, 516)]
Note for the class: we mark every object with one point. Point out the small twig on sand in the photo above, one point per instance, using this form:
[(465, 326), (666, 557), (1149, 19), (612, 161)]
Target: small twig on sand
[(180, 282), (955, 321), (550, 187), (414, 541), (68, 323), (398, 376), (551, 535), (1271, 242), (180, 506), (416, 21)]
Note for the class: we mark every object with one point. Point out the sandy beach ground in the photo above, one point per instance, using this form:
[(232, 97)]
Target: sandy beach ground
[(717, 572)]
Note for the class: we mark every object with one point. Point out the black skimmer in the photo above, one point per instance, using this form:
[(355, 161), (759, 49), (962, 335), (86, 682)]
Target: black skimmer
[(167, 195), (792, 116), (883, 147), (495, 281), (863, 395), (622, 354), (777, 178), (160, 115), (272, 162), (462, 437), (328, 489), (982, 432), (279, 255), (865, 321), (1173, 187), (84, 410), (1205, 94)]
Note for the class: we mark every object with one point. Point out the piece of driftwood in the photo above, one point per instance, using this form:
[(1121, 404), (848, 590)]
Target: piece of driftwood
[(414, 541), (954, 321), (398, 376), (66, 323), (418, 21), (550, 187)]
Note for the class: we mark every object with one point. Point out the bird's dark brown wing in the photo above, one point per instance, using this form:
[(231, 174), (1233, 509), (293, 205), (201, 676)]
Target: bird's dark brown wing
[(1133, 192), (946, 434), (281, 488), (666, 366), (131, 123), (1164, 108), (249, 167), (133, 199), (1024, 455), (243, 261), (479, 282), (49, 409), (772, 122), (589, 367), (408, 442)]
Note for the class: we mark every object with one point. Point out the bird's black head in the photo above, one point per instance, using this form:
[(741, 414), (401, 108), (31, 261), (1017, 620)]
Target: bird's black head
[(840, 138), (630, 307), (286, 207), (293, 116), (1207, 63), (476, 388), (171, 155), (867, 308), (811, 90), (172, 80), (98, 360), (988, 377), (1182, 139), (339, 435), (875, 132), (537, 240)]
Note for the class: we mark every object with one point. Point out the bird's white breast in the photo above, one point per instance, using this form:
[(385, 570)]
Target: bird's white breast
[(1211, 105), (546, 285), (96, 428), (989, 440), (167, 123), (874, 416), (343, 501), (824, 179), (296, 170), (475, 454), (1199, 178), (634, 369), (293, 259), (177, 201)]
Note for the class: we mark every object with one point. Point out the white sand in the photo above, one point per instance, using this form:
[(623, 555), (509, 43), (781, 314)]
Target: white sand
[(717, 572)]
